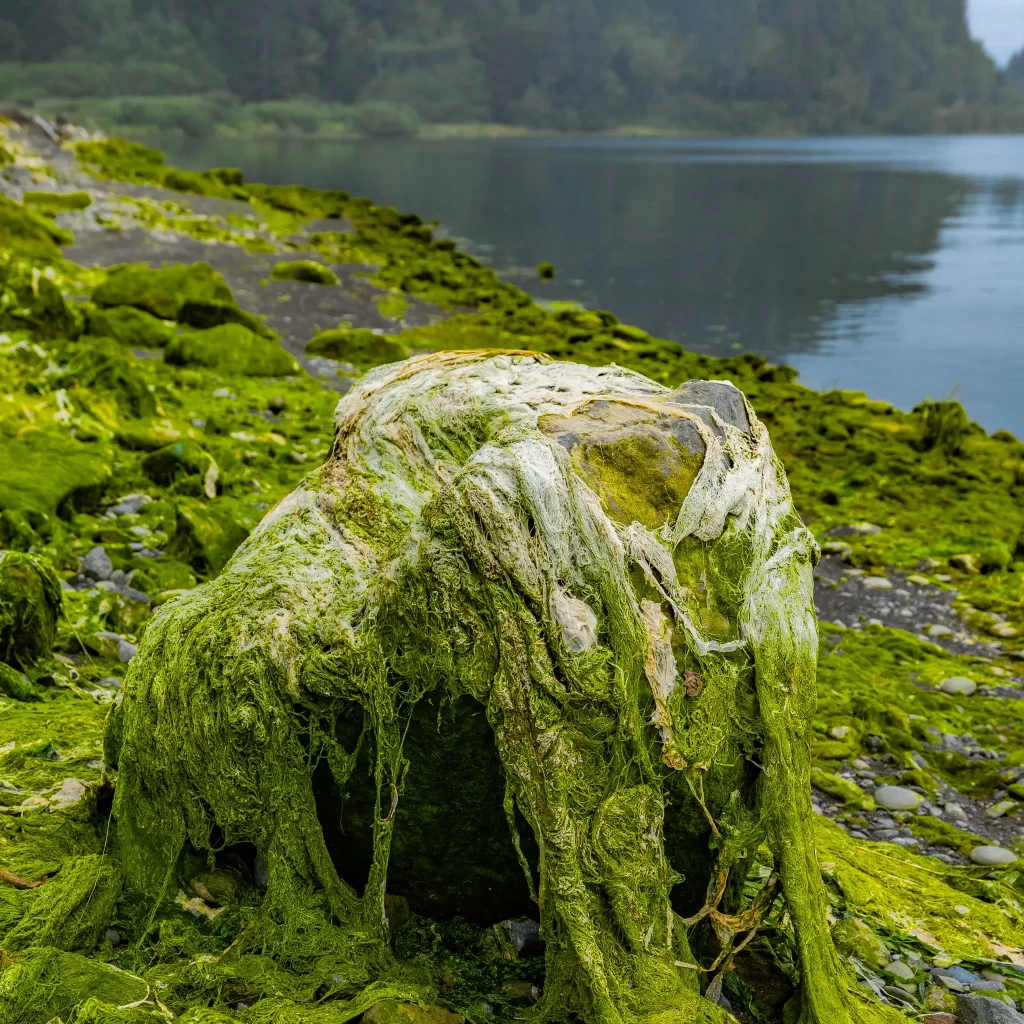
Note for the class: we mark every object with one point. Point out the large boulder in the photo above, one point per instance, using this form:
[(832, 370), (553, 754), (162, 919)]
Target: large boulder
[(537, 634), (30, 605)]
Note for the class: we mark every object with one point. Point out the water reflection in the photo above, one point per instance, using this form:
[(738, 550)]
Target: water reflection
[(893, 265)]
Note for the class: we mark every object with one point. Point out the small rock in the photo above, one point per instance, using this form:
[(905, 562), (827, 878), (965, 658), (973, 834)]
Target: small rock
[(125, 651), (897, 798), (885, 835), (918, 581), (839, 732), (1003, 629), (876, 583), (964, 976), (988, 986), (899, 993), (72, 792), (937, 631), (958, 686), (130, 505), (96, 565), (860, 764), (938, 1018), (113, 937), (984, 1010), (898, 969), (991, 856), (907, 842), (951, 983), (955, 812), (966, 563), (1000, 809)]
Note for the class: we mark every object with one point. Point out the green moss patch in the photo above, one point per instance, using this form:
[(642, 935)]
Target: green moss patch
[(359, 347), (29, 232), (52, 203), (130, 326), (207, 534), (30, 605), (74, 478), (304, 270), (231, 348), (162, 292)]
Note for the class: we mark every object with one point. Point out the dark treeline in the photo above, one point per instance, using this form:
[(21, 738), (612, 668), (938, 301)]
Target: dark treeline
[(736, 65)]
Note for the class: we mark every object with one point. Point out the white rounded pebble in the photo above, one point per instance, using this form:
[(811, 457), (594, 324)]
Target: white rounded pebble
[(938, 630), (958, 686), (897, 798), (990, 856), (876, 583)]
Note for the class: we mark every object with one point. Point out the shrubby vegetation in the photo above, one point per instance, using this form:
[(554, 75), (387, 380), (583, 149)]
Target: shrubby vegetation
[(732, 66)]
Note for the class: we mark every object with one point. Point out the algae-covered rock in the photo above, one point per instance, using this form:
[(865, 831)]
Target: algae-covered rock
[(106, 368), (207, 535), (452, 559), (52, 203), (29, 233), (304, 270), (30, 301), (360, 347), (30, 605), (231, 348), (76, 472), (205, 313), (182, 459), (129, 326), (162, 292), (853, 938)]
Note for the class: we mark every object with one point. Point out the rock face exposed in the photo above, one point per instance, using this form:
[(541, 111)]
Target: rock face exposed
[(466, 660)]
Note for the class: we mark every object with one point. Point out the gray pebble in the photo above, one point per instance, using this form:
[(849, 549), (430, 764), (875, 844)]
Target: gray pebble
[(96, 565), (126, 651), (985, 1010), (896, 798)]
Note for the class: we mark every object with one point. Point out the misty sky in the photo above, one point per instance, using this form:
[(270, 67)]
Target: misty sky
[(999, 24)]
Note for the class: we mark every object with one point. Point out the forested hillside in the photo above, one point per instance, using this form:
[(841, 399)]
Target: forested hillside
[(732, 65)]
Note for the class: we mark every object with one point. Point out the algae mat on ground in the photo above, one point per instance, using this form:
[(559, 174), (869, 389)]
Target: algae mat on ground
[(205, 945)]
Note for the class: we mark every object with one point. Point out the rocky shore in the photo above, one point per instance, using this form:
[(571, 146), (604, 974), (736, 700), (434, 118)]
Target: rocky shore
[(172, 346)]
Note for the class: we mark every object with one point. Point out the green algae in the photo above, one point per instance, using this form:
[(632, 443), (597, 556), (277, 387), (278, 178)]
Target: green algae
[(207, 535), (233, 349), (129, 326), (304, 270), (29, 232), (164, 291), (30, 605), (359, 347), (53, 203)]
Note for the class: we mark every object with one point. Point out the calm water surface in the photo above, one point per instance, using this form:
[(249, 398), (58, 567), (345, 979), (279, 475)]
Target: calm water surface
[(894, 266)]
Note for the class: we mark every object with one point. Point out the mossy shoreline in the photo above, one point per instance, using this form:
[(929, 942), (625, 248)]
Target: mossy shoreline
[(143, 414)]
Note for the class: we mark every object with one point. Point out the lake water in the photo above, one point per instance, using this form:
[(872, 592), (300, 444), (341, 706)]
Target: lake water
[(894, 266)]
